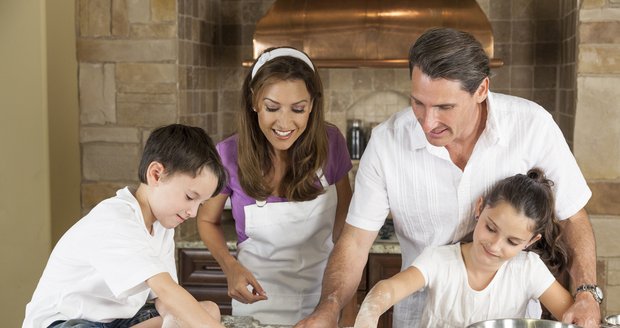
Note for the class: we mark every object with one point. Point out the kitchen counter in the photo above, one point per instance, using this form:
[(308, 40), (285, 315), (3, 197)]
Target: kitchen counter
[(386, 242), (245, 322)]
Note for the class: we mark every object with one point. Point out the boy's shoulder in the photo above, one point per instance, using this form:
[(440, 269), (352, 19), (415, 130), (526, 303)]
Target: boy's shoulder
[(118, 207)]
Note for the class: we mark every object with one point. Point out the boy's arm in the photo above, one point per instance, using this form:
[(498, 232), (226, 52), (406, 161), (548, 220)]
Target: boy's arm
[(557, 300), (180, 303), (387, 293)]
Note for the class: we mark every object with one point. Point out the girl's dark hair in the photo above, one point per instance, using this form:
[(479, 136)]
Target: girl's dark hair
[(182, 149), (532, 196), (452, 55), (305, 157)]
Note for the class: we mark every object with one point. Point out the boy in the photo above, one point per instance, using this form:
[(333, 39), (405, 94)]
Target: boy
[(105, 268)]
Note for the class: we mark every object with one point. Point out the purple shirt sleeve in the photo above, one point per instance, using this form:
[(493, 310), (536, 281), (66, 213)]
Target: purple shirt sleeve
[(338, 159), (338, 164)]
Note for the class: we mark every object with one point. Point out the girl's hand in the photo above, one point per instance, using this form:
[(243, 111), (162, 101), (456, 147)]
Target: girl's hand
[(239, 279), (366, 320)]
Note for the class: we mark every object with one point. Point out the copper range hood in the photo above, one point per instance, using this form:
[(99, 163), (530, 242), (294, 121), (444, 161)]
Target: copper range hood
[(365, 33)]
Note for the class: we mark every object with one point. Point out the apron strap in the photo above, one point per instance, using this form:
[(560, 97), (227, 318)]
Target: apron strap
[(319, 174)]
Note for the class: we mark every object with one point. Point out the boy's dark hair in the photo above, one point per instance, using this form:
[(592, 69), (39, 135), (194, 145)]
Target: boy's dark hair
[(452, 55), (531, 195), (182, 149)]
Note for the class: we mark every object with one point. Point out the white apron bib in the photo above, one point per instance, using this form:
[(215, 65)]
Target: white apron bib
[(287, 249)]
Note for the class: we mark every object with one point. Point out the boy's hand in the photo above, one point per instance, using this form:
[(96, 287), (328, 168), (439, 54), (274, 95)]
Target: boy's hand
[(239, 279)]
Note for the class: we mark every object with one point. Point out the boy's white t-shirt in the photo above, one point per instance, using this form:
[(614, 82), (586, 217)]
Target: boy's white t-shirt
[(452, 303), (98, 269)]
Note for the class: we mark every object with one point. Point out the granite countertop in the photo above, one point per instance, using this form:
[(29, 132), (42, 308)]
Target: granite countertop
[(386, 242), (245, 322)]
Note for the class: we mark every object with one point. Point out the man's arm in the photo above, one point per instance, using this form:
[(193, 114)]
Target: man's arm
[(579, 237), (342, 276)]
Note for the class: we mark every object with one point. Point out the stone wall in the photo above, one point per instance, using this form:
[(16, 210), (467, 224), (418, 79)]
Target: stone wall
[(128, 74), (597, 133)]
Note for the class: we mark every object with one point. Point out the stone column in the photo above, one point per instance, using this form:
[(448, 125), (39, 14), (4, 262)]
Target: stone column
[(128, 84), (597, 133)]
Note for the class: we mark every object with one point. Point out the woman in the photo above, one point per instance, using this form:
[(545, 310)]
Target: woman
[(289, 190)]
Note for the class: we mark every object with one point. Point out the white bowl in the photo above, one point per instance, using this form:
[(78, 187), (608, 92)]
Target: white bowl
[(520, 323), (613, 319)]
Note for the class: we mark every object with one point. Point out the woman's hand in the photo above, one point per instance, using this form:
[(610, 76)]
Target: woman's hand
[(239, 278)]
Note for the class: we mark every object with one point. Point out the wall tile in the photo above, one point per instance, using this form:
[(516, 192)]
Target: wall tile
[(500, 9), (153, 31), (545, 77), (599, 59), (613, 269), (163, 10), (109, 134), (523, 30), (521, 77), (590, 4), (120, 20), (144, 87), (94, 19), (599, 32), (146, 98), (523, 54), (547, 53), (145, 115), (547, 9), (605, 196), (97, 93), (605, 231), (126, 50), (596, 104), (101, 162), (94, 192), (139, 11), (146, 72), (522, 9)]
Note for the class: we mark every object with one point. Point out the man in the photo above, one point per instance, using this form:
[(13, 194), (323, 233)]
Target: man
[(428, 169)]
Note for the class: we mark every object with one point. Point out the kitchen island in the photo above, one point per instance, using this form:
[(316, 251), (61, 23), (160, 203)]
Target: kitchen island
[(202, 276)]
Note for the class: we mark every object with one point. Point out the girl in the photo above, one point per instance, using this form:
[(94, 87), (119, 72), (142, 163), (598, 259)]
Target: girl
[(494, 276), (289, 190)]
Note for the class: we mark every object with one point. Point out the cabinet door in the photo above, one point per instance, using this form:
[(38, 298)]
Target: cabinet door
[(382, 266), (202, 276)]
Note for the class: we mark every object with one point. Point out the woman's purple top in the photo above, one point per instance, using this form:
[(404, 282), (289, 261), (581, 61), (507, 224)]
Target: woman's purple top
[(338, 164)]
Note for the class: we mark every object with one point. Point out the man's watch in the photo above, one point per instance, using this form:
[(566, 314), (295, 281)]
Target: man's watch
[(592, 289)]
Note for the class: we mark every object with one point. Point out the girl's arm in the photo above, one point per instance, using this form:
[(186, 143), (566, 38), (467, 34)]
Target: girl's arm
[(387, 293), (343, 190), (557, 300), (180, 303), (209, 220)]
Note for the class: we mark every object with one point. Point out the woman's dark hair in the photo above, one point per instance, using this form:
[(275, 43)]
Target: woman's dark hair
[(308, 153), (532, 196), (182, 149), (452, 55)]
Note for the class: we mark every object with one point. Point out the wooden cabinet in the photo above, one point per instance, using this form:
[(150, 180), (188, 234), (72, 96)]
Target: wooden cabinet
[(383, 266), (380, 266), (202, 276)]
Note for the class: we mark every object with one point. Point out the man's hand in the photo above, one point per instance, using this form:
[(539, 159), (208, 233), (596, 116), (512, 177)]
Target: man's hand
[(585, 312)]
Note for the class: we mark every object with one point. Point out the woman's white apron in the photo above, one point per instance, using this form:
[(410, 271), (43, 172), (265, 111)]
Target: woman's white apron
[(287, 249)]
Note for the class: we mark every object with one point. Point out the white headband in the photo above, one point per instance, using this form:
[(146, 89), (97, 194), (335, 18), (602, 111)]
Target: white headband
[(279, 52)]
